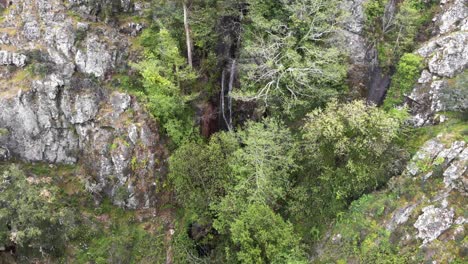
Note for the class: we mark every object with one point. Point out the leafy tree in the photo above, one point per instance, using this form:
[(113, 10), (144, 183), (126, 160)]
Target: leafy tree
[(286, 60), (165, 74), (220, 179), (263, 166), (347, 144), (259, 235), (349, 149), (200, 172), (261, 170), (31, 219)]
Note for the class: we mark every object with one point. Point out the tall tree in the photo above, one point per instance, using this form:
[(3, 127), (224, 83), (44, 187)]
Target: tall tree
[(349, 149), (165, 79), (31, 218), (287, 61), (188, 39), (259, 235)]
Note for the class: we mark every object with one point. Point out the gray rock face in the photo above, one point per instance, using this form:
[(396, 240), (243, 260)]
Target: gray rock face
[(354, 21), (12, 58), (400, 216), (455, 16), (97, 58), (421, 215), (433, 222), (365, 76), (67, 116), (455, 150), (94, 8), (438, 214), (426, 154), (35, 125), (446, 56), (454, 159), (362, 58), (456, 176)]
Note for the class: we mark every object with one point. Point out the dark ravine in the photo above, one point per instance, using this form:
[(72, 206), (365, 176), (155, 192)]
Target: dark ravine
[(378, 85)]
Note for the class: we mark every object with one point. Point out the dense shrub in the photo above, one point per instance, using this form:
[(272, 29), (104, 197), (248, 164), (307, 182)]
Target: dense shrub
[(348, 150), (32, 218), (408, 71)]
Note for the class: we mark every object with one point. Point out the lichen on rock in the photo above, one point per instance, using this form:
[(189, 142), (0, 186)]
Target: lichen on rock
[(433, 222)]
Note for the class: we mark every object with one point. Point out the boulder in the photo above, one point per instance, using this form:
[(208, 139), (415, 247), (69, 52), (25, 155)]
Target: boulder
[(426, 154), (433, 222), (448, 55), (96, 59), (400, 216), (12, 58), (454, 17), (456, 175)]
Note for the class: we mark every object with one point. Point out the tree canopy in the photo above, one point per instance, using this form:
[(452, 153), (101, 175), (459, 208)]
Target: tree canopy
[(30, 218)]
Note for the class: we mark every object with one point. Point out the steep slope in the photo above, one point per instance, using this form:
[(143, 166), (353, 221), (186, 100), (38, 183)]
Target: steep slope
[(57, 101), (421, 217), (365, 76), (442, 84)]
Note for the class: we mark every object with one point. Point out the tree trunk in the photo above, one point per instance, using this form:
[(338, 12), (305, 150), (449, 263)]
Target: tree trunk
[(187, 36), (223, 95), (231, 84)]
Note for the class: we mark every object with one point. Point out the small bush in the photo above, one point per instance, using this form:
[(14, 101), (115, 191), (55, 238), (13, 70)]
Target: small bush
[(408, 70)]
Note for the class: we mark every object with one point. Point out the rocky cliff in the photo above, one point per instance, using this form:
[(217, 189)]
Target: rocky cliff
[(420, 218), (57, 102), (62, 103), (446, 59)]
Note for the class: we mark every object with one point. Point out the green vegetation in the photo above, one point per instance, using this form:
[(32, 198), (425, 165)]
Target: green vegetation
[(165, 73), (115, 236), (455, 128), (46, 213), (365, 233), (288, 62), (394, 25), (4, 132), (349, 149), (285, 155), (33, 219), (204, 177), (361, 238), (263, 237), (408, 71), (258, 173)]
